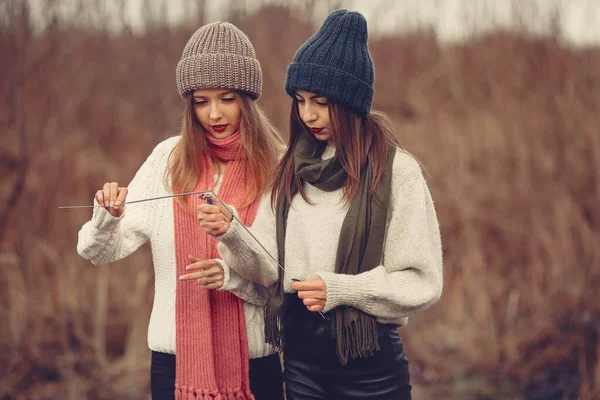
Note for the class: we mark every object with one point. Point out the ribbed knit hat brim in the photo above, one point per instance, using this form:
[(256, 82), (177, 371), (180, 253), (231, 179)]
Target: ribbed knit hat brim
[(338, 86), (233, 72)]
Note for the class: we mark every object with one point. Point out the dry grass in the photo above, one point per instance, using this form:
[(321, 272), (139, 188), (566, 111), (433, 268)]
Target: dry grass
[(506, 126)]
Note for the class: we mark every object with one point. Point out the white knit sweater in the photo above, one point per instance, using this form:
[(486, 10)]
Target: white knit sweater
[(105, 239), (409, 277)]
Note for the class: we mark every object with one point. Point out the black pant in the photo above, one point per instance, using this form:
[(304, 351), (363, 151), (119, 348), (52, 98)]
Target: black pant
[(312, 369), (266, 381)]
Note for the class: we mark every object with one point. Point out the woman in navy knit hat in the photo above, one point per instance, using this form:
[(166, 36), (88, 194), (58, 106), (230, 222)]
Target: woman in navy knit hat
[(352, 223)]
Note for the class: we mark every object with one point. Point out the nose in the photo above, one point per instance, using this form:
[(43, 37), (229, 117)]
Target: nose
[(215, 111), (308, 113)]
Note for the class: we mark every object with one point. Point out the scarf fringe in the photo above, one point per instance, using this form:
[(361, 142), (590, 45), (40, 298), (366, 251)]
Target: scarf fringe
[(274, 331), (189, 393), (358, 339)]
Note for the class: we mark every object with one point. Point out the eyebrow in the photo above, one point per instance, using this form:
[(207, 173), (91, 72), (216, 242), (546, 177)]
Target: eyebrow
[(311, 97), (197, 96)]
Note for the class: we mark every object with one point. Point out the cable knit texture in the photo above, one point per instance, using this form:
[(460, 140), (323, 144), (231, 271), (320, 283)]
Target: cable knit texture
[(410, 275), (105, 239)]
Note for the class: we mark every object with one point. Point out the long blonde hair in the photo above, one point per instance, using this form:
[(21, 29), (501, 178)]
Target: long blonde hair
[(261, 145)]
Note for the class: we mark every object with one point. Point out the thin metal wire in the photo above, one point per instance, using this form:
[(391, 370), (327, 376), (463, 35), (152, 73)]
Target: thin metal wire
[(142, 200)]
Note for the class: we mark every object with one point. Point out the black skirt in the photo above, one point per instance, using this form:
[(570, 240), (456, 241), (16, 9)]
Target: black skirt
[(266, 381), (312, 369)]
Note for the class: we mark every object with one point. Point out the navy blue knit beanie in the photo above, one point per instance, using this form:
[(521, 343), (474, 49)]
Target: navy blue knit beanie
[(335, 62)]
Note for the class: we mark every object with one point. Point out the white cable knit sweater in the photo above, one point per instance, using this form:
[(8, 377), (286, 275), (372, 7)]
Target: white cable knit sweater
[(409, 277), (105, 239)]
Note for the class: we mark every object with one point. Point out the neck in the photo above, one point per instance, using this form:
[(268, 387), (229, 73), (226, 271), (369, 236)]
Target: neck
[(219, 166)]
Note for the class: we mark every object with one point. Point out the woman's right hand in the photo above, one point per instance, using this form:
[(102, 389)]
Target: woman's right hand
[(112, 198)]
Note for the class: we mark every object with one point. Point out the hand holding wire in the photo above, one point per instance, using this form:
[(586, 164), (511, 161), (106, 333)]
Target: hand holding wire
[(312, 292), (112, 198), (213, 219)]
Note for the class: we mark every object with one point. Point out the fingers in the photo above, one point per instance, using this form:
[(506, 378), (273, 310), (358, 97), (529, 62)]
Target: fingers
[(314, 304), (122, 195), (208, 214), (224, 210), (215, 229), (209, 219), (209, 209), (112, 197), (215, 285), (106, 194), (197, 263), (100, 197), (114, 190), (193, 259), (316, 308), (204, 276), (318, 284), (212, 220), (208, 273), (312, 294), (313, 300)]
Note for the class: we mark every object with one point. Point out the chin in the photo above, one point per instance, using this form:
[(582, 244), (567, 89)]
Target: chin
[(221, 135)]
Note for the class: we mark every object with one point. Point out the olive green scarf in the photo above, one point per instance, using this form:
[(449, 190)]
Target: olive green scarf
[(359, 248)]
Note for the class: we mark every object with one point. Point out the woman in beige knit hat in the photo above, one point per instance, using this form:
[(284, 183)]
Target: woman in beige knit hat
[(206, 343)]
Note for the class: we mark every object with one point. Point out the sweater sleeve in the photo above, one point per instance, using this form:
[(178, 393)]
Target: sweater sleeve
[(410, 278), (241, 251), (105, 238), (250, 292)]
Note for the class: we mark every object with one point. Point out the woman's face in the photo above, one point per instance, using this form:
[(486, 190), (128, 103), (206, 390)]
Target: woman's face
[(314, 111), (218, 111)]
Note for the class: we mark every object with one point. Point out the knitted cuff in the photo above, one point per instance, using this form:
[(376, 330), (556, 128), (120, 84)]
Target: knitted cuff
[(101, 218), (337, 290), (233, 222)]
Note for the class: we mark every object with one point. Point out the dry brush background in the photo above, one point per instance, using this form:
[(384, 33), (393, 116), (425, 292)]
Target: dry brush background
[(506, 126)]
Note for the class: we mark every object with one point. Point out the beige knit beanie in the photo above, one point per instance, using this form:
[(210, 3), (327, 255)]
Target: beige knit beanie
[(219, 55)]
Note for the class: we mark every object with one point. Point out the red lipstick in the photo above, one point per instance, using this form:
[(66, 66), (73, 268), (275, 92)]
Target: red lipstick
[(316, 130), (219, 128)]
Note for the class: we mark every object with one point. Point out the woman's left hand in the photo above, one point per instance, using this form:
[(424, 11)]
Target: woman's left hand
[(209, 273), (313, 293)]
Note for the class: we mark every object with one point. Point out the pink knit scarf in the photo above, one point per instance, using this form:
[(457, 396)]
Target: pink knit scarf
[(225, 149), (211, 341)]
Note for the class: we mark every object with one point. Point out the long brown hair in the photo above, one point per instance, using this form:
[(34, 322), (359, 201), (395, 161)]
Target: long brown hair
[(355, 137), (260, 147)]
